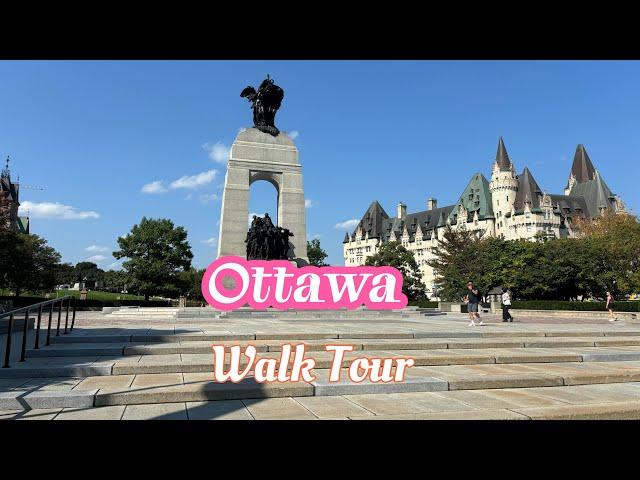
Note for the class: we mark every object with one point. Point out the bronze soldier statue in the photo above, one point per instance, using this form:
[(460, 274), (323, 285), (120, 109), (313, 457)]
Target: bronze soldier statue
[(265, 241)]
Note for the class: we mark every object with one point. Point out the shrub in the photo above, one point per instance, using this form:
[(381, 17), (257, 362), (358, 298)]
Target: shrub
[(423, 303)]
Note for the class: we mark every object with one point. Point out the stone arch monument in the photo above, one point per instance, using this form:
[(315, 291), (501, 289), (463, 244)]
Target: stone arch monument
[(257, 155)]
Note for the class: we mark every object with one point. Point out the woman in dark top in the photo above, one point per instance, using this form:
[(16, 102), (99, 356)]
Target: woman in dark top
[(610, 307)]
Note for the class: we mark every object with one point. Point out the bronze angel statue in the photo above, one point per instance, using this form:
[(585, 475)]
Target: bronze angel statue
[(265, 103)]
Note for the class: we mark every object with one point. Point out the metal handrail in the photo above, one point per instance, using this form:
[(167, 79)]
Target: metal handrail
[(71, 302)]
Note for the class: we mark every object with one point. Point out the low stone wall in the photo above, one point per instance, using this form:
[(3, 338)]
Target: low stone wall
[(574, 314), (457, 307)]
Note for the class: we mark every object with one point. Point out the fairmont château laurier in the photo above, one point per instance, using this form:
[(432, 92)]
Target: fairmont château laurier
[(511, 206)]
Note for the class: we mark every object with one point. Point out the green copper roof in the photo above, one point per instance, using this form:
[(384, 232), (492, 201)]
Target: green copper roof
[(596, 193), (476, 197)]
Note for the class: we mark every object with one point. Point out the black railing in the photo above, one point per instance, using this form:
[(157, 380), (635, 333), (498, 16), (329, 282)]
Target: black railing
[(70, 303)]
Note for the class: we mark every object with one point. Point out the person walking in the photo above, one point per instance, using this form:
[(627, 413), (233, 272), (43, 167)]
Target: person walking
[(473, 299), (609, 307), (506, 305)]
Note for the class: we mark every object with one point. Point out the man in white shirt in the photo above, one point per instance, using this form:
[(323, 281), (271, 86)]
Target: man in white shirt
[(506, 304)]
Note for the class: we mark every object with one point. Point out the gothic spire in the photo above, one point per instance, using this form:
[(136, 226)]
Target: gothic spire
[(5, 172), (582, 168), (502, 157), (528, 191)]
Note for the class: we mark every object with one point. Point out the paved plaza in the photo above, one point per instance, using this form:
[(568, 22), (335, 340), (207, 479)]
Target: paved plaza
[(135, 364)]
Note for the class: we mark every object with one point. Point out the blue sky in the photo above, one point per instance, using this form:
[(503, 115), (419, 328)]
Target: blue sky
[(93, 134)]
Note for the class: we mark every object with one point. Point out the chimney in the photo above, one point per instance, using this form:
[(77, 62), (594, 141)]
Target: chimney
[(432, 203), (402, 210)]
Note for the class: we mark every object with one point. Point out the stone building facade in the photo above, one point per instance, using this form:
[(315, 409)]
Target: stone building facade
[(9, 192), (511, 206)]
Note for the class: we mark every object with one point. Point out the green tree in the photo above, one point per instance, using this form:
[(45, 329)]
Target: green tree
[(613, 241), (115, 280), (315, 253), (157, 252), (395, 255), (454, 262), (191, 284), (65, 274), (27, 263), (89, 273)]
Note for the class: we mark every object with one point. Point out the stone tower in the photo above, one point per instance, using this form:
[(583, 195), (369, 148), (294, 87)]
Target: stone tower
[(503, 187)]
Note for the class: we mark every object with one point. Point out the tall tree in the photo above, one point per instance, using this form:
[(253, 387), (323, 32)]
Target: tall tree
[(315, 253), (89, 273), (66, 274), (393, 254), (191, 284), (115, 280), (157, 252), (454, 263), (613, 242), (27, 263)]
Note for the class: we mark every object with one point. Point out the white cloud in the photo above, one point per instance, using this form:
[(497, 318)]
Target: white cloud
[(204, 198), (346, 224), (308, 203), (293, 134), (188, 182), (154, 187), (315, 236), (96, 258), (56, 211), (194, 181), (96, 248), (115, 265), (218, 152), (210, 241)]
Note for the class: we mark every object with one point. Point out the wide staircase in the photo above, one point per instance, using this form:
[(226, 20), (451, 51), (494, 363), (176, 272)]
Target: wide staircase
[(498, 371), (200, 314)]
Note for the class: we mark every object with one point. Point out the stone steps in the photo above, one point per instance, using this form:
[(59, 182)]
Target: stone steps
[(195, 314), (192, 390), (86, 364), (118, 367), (266, 345), (586, 402)]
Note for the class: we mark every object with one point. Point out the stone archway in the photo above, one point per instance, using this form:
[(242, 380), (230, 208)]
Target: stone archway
[(275, 179), (259, 156)]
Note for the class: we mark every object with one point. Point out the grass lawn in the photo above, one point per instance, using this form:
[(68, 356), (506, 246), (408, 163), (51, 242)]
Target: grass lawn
[(91, 295), (96, 295)]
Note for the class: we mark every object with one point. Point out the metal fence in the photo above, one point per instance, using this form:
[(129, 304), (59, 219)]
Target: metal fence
[(40, 308)]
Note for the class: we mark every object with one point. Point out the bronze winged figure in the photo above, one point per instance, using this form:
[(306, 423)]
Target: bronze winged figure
[(265, 102)]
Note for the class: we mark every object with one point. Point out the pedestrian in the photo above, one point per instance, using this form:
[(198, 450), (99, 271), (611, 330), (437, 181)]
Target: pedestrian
[(473, 299), (609, 307), (506, 305)]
